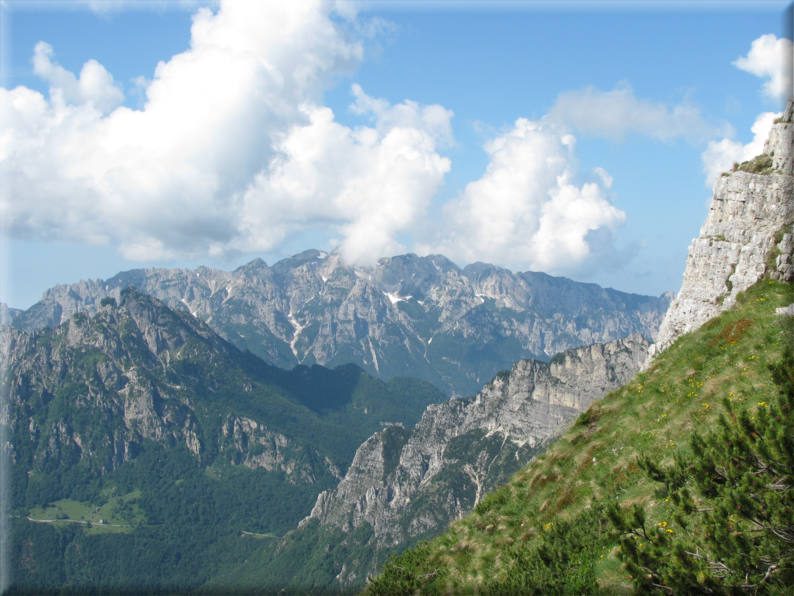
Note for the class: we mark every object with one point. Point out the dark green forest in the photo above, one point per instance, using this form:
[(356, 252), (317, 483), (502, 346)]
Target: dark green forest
[(170, 516)]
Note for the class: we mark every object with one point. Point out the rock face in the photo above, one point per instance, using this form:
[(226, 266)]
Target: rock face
[(408, 316), (747, 235), (93, 390), (7, 314), (408, 484)]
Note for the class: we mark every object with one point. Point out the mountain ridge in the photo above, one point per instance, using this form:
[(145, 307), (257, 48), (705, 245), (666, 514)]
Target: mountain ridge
[(418, 316), (153, 373), (405, 485)]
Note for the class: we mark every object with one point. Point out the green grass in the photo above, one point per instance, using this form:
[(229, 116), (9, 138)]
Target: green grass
[(761, 164), (119, 513), (596, 461)]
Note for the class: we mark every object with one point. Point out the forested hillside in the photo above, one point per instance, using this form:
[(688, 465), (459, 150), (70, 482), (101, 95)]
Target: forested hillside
[(147, 453)]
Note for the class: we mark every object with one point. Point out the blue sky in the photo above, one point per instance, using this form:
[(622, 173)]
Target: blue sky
[(576, 138)]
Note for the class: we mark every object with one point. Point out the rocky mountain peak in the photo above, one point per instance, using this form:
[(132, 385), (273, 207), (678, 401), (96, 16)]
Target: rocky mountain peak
[(407, 315), (160, 327), (257, 263), (747, 236), (410, 275), (300, 262), (8, 314)]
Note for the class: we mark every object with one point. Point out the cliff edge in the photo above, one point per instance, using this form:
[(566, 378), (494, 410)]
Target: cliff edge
[(747, 235)]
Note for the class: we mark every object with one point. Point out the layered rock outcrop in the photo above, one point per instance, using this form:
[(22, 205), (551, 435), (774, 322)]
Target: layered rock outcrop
[(747, 235)]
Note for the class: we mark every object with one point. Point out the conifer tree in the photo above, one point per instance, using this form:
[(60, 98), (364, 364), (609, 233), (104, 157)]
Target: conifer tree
[(734, 527)]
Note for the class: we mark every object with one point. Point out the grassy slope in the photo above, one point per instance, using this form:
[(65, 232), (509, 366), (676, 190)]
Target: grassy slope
[(654, 414)]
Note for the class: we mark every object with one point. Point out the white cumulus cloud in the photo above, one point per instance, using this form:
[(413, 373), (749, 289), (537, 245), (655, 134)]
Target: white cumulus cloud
[(232, 150), (95, 85), (770, 58), (527, 210), (409, 114), (720, 156), (372, 182)]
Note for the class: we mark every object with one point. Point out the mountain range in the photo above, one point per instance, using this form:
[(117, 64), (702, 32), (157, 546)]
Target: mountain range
[(257, 431), (142, 419), (422, 317)]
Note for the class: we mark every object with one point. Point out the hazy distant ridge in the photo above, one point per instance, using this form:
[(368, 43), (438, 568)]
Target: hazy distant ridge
[(408, 315)]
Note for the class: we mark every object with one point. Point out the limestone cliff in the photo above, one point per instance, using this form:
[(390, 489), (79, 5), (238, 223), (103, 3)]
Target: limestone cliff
[(409, 484), (747, 235)]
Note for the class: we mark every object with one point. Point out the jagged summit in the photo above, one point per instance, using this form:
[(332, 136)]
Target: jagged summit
[(747, 235), (406, 316)]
